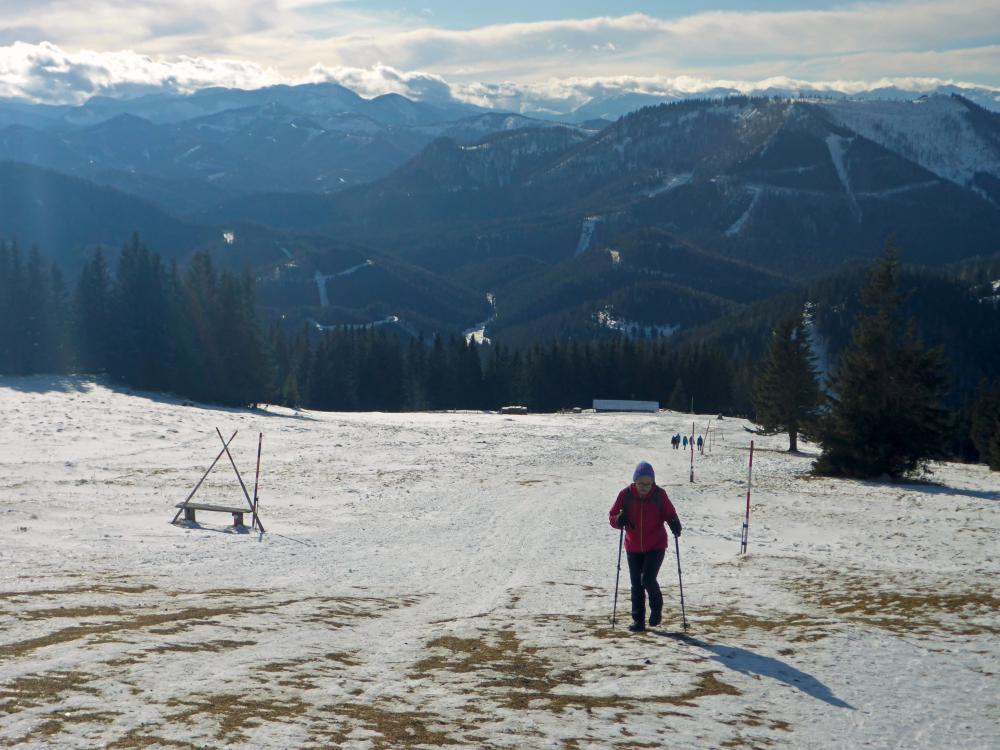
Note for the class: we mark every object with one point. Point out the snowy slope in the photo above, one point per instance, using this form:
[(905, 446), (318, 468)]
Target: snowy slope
[(935, 132), (446, 579)]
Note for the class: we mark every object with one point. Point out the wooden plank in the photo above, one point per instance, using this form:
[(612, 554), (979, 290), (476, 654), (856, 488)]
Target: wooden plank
[(207, 506)]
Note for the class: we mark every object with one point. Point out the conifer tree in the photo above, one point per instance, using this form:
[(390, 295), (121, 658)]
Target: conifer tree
[(92, 316), (679, 400), (12, 289), (886, 415), (985, 424), (60, 323), (786, 394), (993, 447), (139, 313)]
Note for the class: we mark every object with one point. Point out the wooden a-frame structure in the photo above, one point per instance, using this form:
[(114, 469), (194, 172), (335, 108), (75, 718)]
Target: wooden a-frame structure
[(188, 508)]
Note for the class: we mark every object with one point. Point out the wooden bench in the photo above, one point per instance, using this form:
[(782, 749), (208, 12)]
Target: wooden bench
[(237, 513)]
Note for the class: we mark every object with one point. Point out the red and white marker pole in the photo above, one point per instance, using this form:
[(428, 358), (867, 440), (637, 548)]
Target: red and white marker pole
[(746, 518), (691, 445)]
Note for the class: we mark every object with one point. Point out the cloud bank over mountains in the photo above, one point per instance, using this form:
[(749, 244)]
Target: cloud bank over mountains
[(44, 73), (65, 51)]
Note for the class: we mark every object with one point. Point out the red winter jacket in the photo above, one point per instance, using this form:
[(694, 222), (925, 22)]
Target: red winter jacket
[(646, 516)]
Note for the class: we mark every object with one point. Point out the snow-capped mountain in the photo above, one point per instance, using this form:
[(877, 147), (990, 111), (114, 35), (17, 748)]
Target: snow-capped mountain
[(947, 135)]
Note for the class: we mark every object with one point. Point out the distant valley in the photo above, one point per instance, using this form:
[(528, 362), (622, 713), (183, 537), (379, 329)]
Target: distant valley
[(671, 217)]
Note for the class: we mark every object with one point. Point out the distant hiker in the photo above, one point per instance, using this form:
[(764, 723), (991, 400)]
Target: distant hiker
[(685, 442), (642, 509), (701, 445), (675, 441)]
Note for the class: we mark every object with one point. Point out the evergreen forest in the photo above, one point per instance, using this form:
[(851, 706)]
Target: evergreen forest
[(198, 332)]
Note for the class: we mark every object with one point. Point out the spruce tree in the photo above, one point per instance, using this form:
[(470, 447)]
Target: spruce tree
[(993, 447), (679, 399), (92, 316), (139, 314), (985, 424), (786, 394), (886, 416)]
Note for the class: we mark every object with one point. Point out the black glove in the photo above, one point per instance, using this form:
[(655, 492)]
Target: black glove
[(621, 519), (675, 526)]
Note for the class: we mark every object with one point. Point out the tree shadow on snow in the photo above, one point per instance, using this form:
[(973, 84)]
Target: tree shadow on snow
[(749, 663), (933, 488), (47, 383), (86, 383)]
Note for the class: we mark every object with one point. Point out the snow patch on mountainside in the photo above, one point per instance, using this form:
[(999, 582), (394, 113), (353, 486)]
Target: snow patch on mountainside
[(586, 234), (838, 147), (900, 189), (819, 347), (388, 320), (737, 226), (671, 183), (478, 332), (935, 132), (322, 278), (632, 328)]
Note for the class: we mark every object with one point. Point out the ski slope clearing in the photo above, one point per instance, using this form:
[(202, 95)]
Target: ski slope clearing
[(445, 580)]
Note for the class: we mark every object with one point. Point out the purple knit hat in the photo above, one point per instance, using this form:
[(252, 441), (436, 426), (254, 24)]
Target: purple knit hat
[(643, 469)]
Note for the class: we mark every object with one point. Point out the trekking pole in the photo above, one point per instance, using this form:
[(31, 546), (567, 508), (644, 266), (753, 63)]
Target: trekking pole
[(680, 580), (618, 572), (746, 519)]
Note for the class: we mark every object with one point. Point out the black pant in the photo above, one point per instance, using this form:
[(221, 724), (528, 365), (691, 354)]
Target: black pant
[(642, 570)]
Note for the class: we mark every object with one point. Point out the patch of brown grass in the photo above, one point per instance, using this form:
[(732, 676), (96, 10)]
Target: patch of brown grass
[(177, 621), (212, 647), (140, 739), (236, 713), (869, 601), (396, 729), (344, 659), (85, 589), (76, 613), (797, 627), (37, 690), (334, 611), (522, 678), (55, 723)]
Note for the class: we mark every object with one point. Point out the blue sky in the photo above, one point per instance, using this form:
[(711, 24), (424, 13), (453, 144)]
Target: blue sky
[(66, 50), (467, 15)]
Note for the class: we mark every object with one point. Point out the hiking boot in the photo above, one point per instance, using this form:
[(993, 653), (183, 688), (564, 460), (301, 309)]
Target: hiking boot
[(636, 627), (655, 618)]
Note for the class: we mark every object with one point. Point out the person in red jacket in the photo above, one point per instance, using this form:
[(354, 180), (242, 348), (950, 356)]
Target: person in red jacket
[(642, 509)]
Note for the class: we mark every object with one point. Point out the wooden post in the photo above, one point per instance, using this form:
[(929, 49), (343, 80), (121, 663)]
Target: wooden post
[(256, 479), (225, 448), (242, 485)]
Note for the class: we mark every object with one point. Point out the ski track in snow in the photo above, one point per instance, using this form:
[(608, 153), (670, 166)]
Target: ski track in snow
[(438, 578)]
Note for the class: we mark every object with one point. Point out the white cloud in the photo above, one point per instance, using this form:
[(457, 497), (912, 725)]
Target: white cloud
[(383, 79), (187, 44), (294, 35), (45, 73)]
